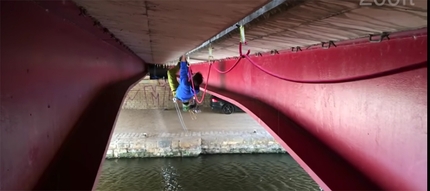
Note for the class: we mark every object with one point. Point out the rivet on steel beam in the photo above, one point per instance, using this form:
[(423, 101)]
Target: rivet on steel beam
[(273, 52), (328, 46), (297, 48), (82, 11), (96, 23), (382, 36)]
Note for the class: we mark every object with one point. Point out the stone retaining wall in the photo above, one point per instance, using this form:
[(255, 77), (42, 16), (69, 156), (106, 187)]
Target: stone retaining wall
[(186, 144)]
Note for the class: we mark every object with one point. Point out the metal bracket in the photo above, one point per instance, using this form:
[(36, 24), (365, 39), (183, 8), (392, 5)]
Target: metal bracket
[(210, 57), (382, 36), (329, 44), (297, 48)]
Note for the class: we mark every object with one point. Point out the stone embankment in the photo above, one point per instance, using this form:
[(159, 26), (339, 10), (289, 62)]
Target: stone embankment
[(187, 144)]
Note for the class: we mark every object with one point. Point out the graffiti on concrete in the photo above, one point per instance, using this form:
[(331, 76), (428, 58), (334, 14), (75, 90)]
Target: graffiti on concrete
[(152, 95)]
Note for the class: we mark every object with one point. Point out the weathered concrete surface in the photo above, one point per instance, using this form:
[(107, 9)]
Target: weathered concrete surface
[(158, 133), (154, 94), (146, 26), (307, 23), (160, 31)]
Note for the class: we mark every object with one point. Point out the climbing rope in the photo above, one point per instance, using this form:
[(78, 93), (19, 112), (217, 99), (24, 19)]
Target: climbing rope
[(178, 111), (206, 85), (210, 57), (347, 79), (190, 74), (235, 64), (340, 80)]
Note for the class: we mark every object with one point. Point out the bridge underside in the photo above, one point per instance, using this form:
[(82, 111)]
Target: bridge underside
[(66, 66)]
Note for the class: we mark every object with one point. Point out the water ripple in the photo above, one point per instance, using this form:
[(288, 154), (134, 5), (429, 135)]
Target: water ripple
[(277, 172)]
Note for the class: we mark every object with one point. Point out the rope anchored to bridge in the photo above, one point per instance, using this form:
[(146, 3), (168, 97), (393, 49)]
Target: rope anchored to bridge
[(328, 81), (247, 57)]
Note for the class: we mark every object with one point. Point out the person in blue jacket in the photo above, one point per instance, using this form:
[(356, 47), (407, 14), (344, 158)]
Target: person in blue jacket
[(183, 89)]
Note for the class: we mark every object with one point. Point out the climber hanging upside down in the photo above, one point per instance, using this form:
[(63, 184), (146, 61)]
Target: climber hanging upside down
[(183, 90)]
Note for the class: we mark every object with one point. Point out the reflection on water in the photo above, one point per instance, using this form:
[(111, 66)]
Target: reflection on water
[(170, 180), (209, 172)]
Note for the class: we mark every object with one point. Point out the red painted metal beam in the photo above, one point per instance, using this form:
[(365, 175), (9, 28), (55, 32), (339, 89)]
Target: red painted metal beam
[(62, 84), (366, 134)]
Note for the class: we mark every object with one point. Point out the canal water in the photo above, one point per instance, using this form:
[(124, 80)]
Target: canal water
[(250, 172)]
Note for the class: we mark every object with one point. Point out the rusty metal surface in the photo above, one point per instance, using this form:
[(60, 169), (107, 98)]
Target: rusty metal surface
[(309, 22), (160, 31)]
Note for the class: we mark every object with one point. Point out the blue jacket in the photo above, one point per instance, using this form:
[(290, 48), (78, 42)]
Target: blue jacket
[(185, 92)]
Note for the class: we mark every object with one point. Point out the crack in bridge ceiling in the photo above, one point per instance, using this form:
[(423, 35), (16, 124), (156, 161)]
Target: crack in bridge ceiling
[(160, 31)]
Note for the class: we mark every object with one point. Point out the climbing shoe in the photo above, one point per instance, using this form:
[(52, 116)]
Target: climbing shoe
[(185, 107)]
